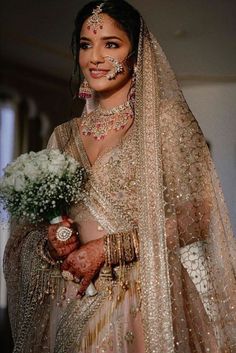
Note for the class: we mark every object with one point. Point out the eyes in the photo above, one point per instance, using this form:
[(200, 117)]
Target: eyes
[(112, 45), (88, 45), (84, 45)]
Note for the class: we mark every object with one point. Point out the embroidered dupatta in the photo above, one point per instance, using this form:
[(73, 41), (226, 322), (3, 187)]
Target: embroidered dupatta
[(185, 234)]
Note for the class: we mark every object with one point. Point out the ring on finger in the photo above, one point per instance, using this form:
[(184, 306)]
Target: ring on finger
[(63, 233), (67, 275)]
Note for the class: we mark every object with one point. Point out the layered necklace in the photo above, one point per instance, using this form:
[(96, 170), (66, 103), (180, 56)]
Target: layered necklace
[(100, 121)]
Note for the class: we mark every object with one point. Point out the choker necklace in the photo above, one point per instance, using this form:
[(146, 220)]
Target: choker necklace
[(100, 121)]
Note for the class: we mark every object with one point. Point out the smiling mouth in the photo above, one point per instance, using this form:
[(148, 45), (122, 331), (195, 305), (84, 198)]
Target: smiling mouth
[(98, 73)]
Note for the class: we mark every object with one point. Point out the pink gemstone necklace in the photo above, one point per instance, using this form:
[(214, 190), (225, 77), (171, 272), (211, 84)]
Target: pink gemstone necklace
[(100, 121)]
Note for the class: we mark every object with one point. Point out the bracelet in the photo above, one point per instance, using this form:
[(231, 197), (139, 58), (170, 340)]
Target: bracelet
[(121, 248), (43, 251)]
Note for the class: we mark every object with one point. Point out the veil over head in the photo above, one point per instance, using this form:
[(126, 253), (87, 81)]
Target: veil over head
[(187, 246), (188, 251)]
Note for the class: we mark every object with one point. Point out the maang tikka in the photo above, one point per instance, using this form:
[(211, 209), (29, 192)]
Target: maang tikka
[(95, 21)]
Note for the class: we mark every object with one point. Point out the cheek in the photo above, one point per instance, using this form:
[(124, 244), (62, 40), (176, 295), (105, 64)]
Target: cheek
[(82, 59)]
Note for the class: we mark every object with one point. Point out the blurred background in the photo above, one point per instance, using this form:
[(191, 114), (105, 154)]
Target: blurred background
[(198, 37)]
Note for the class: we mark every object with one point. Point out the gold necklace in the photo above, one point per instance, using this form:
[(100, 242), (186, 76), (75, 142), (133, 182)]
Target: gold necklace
[(100, 121)]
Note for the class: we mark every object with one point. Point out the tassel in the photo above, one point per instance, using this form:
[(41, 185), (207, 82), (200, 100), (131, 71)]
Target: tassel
[(85, 91)]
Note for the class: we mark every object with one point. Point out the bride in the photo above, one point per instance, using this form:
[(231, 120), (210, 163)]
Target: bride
[(149, 263)]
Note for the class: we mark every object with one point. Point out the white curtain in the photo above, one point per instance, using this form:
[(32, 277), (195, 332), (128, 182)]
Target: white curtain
[(7, 142)]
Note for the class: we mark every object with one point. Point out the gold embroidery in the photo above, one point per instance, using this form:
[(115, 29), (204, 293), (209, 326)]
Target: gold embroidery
[(129, 337)]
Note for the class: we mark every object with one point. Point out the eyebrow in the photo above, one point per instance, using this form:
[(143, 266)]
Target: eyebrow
[(103, 38)]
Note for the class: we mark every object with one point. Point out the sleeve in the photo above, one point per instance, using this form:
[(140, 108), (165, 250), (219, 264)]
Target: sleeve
[(52, 142), (12, 266), (61, 136), (31, 281)]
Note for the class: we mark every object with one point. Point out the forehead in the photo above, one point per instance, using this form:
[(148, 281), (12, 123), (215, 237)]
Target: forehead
[(110, 28)]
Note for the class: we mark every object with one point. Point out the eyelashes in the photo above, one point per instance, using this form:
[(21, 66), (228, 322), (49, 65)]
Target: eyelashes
[(112, 45), (109, 45), (84, 45)]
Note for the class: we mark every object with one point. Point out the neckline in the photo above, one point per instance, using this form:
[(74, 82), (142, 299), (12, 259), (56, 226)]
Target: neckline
[(99, 122), (80, 145)]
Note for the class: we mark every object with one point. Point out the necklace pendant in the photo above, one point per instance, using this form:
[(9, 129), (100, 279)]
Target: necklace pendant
[(99, 122)]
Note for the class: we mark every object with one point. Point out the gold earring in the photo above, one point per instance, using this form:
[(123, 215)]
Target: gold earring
[(85, 91)]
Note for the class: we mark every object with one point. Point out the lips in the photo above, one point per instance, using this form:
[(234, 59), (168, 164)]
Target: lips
[(98, 73)]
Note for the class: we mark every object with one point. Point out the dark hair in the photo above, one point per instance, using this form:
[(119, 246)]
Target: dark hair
[(126, 16)]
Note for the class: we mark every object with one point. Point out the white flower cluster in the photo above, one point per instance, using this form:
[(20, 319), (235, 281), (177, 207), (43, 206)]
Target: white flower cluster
[(41, 185)]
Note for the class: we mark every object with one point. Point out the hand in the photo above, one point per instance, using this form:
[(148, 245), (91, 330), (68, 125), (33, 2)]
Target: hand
[(59, 249), (85, 262)]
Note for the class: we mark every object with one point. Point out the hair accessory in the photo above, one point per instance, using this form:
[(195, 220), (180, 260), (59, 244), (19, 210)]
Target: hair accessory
[(63, 233), (100, 121), (85, 91), (117, 67), (95, 20)]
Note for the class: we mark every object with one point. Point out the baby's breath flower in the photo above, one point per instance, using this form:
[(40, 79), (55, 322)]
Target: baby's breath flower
[(38, 185)]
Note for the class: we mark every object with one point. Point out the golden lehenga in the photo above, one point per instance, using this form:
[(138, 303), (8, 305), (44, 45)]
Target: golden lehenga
[(161, 179)]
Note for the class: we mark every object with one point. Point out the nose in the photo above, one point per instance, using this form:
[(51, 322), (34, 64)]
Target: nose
[(96, 56)]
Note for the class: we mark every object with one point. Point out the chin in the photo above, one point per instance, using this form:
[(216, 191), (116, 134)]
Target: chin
[(110, 86), (101, 88), (105, 87)]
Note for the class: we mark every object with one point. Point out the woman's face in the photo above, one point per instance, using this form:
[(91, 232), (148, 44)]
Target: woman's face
[(97, 51)]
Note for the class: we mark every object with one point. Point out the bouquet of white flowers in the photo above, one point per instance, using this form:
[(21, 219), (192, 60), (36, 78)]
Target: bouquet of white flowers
[(41, 185)]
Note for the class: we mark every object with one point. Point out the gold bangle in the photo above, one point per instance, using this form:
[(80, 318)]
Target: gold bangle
[(121, 248), (43, 251)]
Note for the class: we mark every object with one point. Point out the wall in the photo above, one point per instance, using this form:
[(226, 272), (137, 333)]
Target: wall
[(214, 106), (50, 94)]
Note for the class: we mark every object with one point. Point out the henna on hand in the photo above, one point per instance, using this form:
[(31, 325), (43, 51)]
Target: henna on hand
[(60, 249), (85, 262)]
